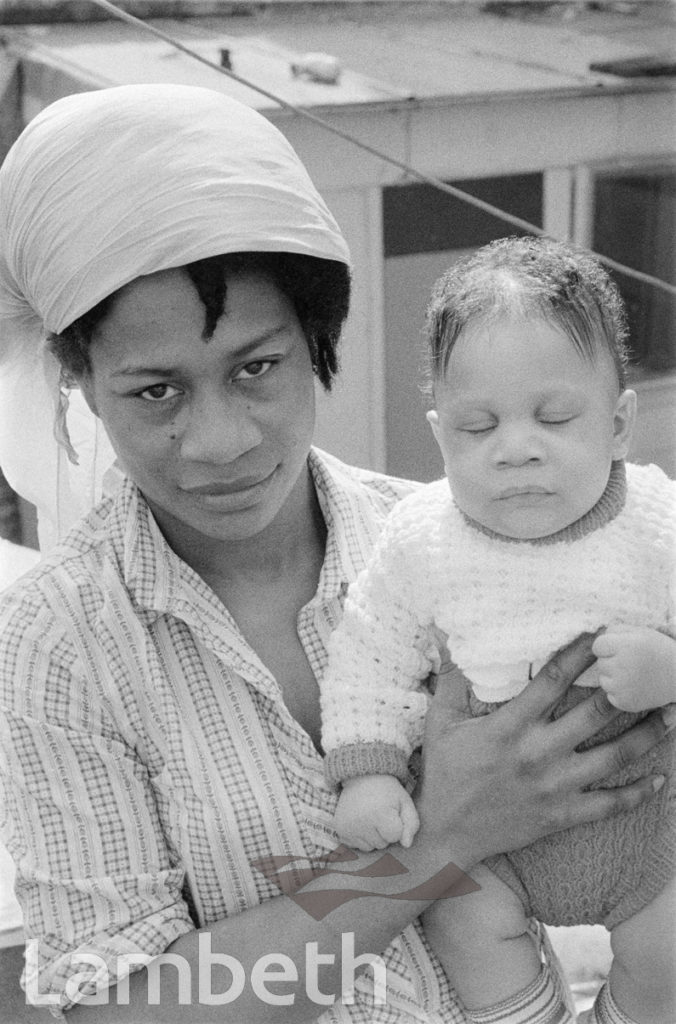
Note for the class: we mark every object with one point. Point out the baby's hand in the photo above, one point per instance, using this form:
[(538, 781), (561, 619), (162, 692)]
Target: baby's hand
[(374, 811), (637, 667)]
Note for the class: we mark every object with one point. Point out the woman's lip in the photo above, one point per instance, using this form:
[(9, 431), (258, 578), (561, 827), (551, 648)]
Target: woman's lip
[(221, 489)]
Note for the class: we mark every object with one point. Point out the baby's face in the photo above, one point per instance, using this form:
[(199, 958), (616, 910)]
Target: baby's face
[(528, 426)]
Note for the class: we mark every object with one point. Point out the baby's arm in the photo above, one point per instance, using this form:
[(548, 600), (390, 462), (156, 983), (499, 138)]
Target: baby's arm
[(374, 811), (373, 707), (637, 667)]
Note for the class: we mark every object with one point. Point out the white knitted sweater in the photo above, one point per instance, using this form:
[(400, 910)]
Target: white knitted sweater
[(504, 606)]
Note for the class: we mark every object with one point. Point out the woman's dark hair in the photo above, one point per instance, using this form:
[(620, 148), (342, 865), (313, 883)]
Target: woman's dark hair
[(318, 289)]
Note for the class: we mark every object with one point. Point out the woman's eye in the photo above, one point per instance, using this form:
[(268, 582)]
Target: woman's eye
[(479, 429), (255, 369), (159, 392), (555, 420)]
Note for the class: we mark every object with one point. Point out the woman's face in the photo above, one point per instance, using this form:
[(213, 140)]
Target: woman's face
[(215, 433)]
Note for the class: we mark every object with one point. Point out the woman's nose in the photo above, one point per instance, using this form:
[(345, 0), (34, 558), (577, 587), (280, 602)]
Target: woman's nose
[(517, 445), (219, 429)]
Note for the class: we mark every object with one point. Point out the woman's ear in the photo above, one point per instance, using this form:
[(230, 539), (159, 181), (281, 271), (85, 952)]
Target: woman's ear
[(86, 386), (624, 419), (433, 420)]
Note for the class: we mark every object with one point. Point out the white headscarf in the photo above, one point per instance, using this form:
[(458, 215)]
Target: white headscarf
[(102, 188)]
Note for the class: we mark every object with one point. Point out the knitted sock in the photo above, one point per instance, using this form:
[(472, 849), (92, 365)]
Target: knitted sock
[(605, 1011), (541, 1002)]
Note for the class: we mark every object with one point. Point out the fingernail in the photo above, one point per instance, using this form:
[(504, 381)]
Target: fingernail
[(669, 716), (658, 782)]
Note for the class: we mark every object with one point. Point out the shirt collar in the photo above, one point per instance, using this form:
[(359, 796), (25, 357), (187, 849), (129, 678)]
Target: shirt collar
[(152, 572), (353, 523)]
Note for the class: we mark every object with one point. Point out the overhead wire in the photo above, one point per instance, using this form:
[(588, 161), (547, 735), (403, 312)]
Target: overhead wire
[(409, 170)]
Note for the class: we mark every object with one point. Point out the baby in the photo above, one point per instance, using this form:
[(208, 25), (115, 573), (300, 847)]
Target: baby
[(543, 534)]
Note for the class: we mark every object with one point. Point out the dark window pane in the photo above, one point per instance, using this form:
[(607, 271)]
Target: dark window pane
[(10, 519), (420, 218), (635, 223)]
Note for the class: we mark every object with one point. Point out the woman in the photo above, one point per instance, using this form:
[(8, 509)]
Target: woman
[(158, 670)]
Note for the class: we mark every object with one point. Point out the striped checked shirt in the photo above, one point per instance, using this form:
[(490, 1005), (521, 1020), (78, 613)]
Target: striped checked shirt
[(149, 759)]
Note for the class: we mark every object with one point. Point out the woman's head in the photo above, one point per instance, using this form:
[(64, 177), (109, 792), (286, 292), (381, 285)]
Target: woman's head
[(106, 188), (531, 277)]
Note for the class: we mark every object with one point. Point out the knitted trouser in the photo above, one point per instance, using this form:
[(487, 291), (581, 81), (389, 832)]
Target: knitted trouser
[(606, 871)]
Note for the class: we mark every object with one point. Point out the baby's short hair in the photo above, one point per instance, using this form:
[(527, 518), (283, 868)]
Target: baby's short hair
[(529, 276)]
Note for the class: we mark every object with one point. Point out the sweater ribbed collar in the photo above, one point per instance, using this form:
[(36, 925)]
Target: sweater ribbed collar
[(609, 505)]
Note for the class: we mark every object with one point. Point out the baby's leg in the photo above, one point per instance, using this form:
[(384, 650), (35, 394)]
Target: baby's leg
[(483, 942), (642, 979)]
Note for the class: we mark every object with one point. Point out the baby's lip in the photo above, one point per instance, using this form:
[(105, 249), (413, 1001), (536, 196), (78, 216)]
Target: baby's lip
[(522, 489)]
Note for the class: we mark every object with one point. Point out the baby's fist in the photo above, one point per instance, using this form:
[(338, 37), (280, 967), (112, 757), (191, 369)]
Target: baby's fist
[(636, 667), (374, 811)]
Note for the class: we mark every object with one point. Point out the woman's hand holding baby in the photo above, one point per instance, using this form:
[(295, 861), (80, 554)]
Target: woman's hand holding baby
[(636, 667), (373, 812), (509, 778)]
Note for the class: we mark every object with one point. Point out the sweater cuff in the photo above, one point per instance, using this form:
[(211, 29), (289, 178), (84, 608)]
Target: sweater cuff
[(365, 759)]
